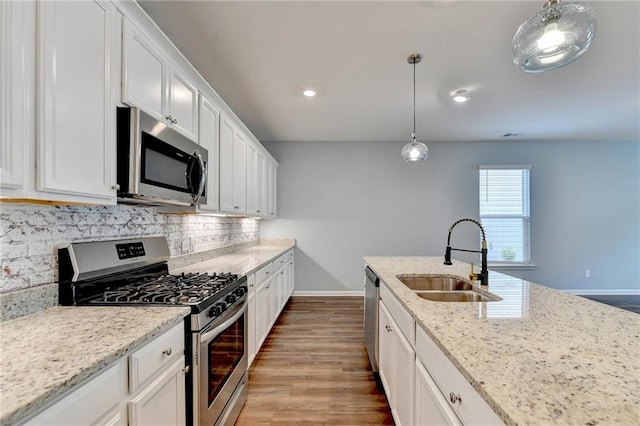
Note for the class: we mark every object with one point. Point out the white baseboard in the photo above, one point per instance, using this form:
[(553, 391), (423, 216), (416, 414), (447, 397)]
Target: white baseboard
[(328, 293), (605, 292)]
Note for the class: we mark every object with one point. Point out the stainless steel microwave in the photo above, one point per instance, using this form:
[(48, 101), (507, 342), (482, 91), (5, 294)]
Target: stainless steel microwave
[(156, 164)]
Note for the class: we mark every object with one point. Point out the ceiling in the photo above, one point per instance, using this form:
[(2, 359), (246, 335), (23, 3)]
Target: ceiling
[(260, 55)]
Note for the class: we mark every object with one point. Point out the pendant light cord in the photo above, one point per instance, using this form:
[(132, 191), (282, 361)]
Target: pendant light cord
[(414, 101)]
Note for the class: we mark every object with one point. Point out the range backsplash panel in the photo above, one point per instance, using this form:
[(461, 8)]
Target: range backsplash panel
[(31, 234)]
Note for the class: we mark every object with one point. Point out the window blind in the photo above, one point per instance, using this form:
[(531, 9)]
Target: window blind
[(504, 212)]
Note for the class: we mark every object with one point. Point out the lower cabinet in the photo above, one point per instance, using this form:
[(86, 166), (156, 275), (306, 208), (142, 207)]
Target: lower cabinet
[(269, 290), (396, 360), (431, 408), (145, 388), (422, 385)]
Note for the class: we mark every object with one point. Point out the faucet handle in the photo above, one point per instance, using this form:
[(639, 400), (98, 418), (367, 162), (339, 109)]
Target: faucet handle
[(473, 276)]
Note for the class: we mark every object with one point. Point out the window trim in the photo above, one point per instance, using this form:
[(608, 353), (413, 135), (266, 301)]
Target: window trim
[(512, 265)]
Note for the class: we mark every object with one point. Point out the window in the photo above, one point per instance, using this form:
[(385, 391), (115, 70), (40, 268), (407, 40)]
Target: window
[(504, 213)]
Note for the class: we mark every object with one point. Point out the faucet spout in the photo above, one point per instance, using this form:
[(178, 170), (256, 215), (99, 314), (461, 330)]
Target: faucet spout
[(483, 276)]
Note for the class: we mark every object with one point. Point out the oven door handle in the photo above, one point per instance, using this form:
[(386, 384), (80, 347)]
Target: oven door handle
[(211, 334)]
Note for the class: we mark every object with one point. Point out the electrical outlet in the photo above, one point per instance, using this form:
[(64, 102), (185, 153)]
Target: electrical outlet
[(587, 273)]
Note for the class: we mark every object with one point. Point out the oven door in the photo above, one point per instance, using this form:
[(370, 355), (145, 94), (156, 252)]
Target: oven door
[(222, 364)]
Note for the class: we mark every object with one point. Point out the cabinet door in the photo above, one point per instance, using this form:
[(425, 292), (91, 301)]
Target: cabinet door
[(17, 93), (163, 402), (77, 91), (253, 206), (183, 105), (386, 352), (270, 190), (227, 131), (430, 406), (404, 361), (264, 312), (251, 328), (144, 80), (239, 172), (209, 124)]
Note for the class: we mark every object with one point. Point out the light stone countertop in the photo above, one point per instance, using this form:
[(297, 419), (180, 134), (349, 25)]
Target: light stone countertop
[(537, 357), (43, 355), (242, 262)]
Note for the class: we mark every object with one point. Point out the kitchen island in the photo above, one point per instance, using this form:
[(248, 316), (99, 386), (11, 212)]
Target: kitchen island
[(538, 356)]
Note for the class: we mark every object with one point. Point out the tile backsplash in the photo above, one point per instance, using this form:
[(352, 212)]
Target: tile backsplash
[(31, 234)]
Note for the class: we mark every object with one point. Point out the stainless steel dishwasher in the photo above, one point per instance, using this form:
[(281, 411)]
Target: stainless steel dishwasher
[(371, 299)]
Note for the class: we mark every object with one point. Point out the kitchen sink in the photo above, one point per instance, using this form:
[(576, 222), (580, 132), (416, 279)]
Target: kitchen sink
[(457, 296), (434, 282)]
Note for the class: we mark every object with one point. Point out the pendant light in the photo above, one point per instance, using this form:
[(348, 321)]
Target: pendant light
[(554, 37), (414, 150)]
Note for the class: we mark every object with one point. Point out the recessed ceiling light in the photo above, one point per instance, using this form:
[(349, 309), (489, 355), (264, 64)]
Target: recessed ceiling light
[(460, 96), (309, 93)]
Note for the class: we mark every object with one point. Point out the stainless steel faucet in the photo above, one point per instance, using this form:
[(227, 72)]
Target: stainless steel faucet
[(483, 276)]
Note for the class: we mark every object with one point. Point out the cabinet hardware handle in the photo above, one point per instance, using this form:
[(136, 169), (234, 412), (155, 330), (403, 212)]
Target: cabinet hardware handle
[(116, 187), (167, 352), (174, 121), (169, 118), (454, 398), (186, 369), (388, 328), (268, 286), (267, 273), (257, 211)]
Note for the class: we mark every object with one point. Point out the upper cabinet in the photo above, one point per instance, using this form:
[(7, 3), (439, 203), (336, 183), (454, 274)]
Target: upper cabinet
[(17, 93), (151, 82), (256, 180), (233, 145), (209, 139), (65, 66), (67, 131)]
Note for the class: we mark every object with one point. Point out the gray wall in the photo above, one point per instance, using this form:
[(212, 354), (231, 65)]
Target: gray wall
[(343, 201)]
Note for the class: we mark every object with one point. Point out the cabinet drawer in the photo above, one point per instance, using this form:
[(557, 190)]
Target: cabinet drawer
[(263, 273), (471, 408), (147, 361), (399, 313), (281, 261), (251, 282)]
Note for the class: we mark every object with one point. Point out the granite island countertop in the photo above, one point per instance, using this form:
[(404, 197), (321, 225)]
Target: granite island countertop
[(43, 355), (539, 356)]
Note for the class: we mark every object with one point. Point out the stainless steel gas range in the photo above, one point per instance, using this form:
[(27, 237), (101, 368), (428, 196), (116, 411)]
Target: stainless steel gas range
[(135, 272)]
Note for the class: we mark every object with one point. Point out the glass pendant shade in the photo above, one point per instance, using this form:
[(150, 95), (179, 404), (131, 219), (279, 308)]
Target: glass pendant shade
[(554, 37), (414, 150)]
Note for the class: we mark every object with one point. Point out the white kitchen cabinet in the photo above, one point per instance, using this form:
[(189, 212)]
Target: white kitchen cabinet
[(251, 325), (256, 180), (149, 384), (456, 391), (96, 402), (163, 401), (69, 51), (209, 123), (17, 94), (151, 82), (431, 408), (396, 368), (233, 168), (77, 93), (271, 177), (157, 381), (264, 311), (290, 276)]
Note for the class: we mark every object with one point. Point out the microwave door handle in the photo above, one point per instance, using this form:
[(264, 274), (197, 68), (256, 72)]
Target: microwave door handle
[(203, 177)]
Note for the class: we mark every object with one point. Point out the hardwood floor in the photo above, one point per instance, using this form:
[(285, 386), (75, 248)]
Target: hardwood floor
[(313, 369)]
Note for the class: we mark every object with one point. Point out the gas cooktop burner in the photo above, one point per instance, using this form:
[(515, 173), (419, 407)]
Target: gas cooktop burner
[(183, 289)]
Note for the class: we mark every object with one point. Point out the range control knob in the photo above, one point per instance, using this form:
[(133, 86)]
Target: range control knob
[(217, 309), (240, 291), (231, 298)]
